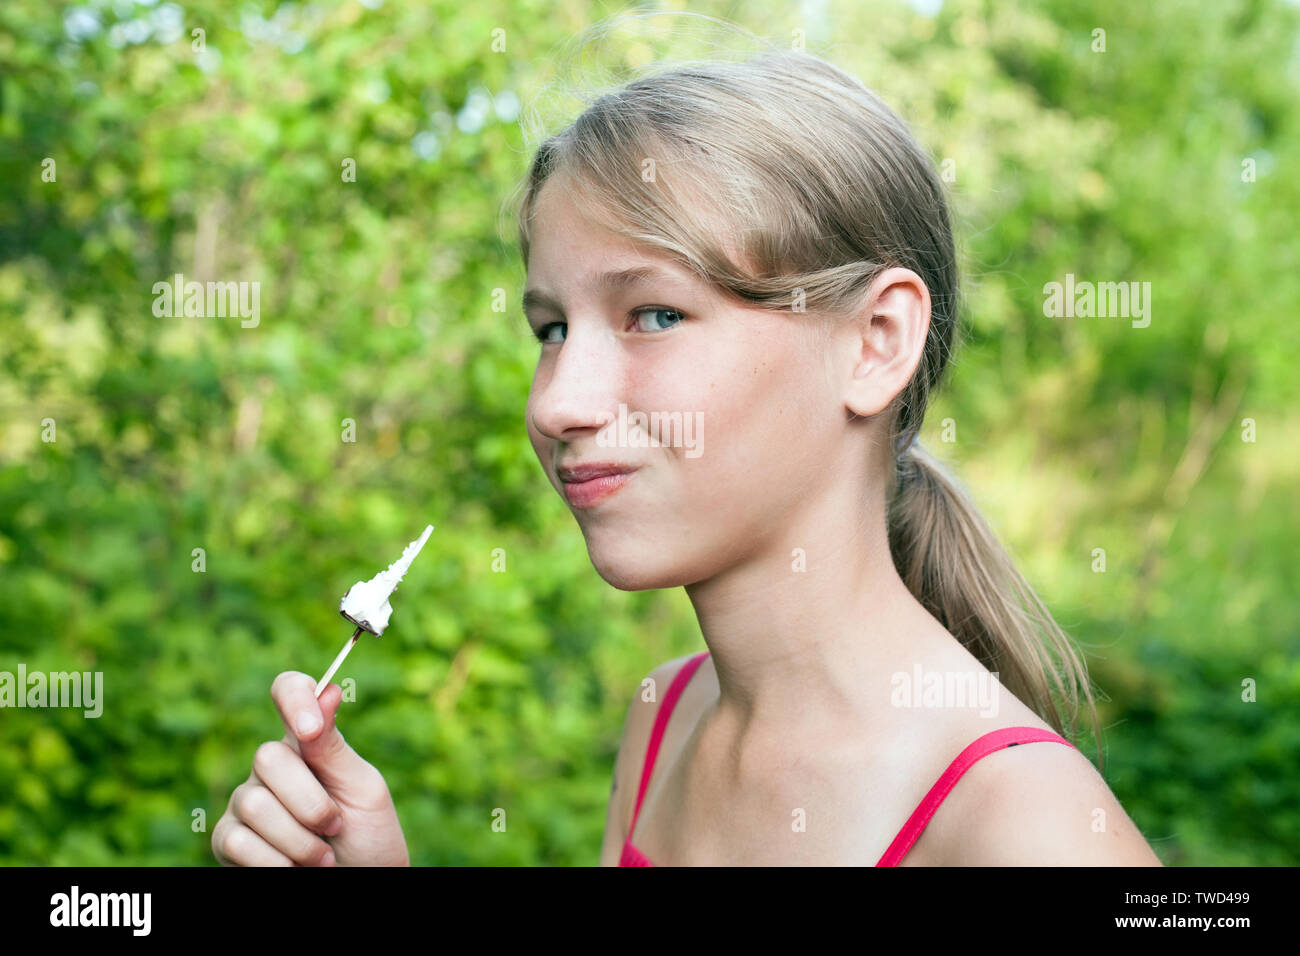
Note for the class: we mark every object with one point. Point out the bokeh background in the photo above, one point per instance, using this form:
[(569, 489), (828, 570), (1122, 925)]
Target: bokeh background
[(1169, 157)]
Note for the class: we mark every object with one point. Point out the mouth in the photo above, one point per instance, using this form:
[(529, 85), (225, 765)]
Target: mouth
[(587, 485)]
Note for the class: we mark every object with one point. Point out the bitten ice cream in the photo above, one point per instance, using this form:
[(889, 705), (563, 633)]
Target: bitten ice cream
[(366, 603)]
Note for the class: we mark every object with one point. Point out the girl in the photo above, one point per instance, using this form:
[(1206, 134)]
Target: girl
[(758, 256)]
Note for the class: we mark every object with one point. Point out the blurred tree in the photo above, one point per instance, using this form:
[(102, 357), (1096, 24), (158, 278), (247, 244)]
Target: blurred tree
[(353, 161)]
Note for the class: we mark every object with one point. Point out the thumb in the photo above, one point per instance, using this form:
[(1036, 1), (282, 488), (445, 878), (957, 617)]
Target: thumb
[(339, 768)]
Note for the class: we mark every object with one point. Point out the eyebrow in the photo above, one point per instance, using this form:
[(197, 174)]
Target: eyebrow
[(612, 281)]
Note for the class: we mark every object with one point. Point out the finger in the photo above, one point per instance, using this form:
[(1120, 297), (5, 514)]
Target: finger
[(340, 769), (277, 767), (294, 694), (258, 808), (240, 845), (289, 690), (290, 737)]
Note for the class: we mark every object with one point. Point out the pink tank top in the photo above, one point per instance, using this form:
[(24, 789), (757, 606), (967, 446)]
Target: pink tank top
[(916, 823)]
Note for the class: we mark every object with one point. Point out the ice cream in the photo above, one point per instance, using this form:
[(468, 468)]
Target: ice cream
[(366, 603)]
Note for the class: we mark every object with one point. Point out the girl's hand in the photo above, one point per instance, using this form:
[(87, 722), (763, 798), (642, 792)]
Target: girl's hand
[(310, 800)]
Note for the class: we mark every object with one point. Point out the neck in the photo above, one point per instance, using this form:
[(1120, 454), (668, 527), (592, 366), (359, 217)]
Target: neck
[(807, 655)]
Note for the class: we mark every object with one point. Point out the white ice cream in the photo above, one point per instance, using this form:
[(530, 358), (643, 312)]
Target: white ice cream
[(366, 603)]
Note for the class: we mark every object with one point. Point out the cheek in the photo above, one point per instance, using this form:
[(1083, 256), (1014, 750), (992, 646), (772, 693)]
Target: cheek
[(767, 434), (539, 441), (533, 434), (755, 411)]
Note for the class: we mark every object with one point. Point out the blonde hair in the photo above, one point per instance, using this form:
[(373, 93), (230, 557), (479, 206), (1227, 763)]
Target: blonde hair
[(783, 175)]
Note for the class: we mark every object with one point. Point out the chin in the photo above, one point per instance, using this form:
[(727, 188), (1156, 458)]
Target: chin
[(632, 566)]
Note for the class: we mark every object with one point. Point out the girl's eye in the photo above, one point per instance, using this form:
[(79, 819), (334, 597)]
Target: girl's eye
[(543, 334), (546, 334), (655, 325)]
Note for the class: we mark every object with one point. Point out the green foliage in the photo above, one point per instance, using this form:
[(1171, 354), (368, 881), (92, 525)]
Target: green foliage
[(509, 689)]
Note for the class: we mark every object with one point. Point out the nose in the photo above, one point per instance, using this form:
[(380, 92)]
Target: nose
[(577, 389)]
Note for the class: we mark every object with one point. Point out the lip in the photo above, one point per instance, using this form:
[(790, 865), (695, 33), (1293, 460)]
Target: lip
[(592, 469), (589, 484)]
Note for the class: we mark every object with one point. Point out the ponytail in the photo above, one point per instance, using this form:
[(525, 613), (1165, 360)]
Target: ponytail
[(954, 565)]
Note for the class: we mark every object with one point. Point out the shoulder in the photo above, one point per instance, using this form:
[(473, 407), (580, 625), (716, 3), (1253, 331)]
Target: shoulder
[(637, 726), (1040, 804), (655, 685), (645, 703)]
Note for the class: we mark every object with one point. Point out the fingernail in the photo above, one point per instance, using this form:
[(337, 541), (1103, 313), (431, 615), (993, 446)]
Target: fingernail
[(328, 859), (334, 828), (307, 724)]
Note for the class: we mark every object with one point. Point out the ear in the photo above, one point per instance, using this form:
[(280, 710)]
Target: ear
[(881, 346)]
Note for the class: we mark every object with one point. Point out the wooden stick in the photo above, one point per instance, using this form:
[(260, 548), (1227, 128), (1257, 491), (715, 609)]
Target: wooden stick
[(324, 681)]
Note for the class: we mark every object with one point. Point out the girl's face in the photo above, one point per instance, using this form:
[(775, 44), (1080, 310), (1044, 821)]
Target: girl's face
[(740, 400)]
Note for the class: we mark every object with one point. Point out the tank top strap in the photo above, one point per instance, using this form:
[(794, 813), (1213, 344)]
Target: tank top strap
[(983, 746), (675, 689)]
